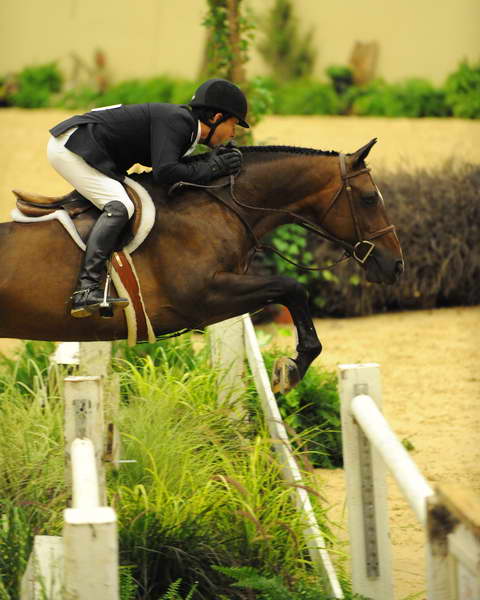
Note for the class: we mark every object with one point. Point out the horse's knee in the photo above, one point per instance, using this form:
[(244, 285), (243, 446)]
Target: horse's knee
[(291, 290)]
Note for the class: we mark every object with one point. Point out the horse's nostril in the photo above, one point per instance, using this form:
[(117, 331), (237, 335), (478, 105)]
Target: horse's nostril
[(399, 267)]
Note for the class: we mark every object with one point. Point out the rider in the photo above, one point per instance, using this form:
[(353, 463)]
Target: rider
[(93, 152)]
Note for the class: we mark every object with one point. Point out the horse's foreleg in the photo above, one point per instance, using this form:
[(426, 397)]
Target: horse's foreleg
[(237, 294)]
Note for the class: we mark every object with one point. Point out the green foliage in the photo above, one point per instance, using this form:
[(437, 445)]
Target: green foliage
[(15, 546), (173, 592), (128, 586), (463, 91), (35, 86), (295, 244), (81, 97), (260, 99), (312, 410), (220, 51), (137, 91), (205, 489), (289, 53), (307, 97), (272, 587), (341, 77), (26, 369), (412, 98)]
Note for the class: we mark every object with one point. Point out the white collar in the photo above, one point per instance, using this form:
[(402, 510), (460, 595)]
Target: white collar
[(197, 139)]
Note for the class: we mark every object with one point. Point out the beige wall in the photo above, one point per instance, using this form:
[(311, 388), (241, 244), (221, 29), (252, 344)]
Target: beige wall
[(424, 38)]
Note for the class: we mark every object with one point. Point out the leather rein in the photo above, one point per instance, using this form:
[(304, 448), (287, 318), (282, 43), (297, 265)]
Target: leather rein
[(359, 251)]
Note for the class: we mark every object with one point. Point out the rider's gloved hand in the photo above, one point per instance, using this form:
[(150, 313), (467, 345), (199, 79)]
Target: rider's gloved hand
[(224, 162)]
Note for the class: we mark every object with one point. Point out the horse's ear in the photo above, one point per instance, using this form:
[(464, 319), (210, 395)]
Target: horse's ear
[(360, 155)]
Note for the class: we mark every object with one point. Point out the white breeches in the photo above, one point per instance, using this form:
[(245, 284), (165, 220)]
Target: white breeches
[(94, 185)]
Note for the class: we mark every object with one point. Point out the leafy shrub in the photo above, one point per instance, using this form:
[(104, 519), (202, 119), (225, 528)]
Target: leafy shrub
[(271, 587), (307, 97), (312, 410), (341, 77), (289, 54), (293, 242), (35, 86), (15, 545), (463, 91), (412, 98), (81, 97), (137, 91)]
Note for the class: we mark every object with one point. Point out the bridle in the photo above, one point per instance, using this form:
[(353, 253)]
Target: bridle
[(362, 244), (359, 250)]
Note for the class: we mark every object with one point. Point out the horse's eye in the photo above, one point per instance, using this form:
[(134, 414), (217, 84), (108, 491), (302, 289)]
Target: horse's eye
[(370, 199)]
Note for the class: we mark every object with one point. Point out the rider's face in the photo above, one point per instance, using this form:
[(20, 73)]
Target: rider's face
[(225, 131)]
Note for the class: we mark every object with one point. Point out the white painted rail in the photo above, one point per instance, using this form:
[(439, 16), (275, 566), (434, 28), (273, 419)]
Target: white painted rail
[(374, 425), (85, 492), (291, 473), (452, 538)]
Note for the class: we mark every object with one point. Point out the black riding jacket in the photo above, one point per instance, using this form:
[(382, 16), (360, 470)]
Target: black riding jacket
[(155, 135)]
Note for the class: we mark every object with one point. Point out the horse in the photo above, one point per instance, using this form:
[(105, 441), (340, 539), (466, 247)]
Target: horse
[(192, 266)]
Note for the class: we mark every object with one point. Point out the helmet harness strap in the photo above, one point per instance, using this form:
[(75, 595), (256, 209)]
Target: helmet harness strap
[(213, 126)]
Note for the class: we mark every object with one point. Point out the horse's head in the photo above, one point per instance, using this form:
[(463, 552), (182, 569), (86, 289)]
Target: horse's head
[(356, 214)]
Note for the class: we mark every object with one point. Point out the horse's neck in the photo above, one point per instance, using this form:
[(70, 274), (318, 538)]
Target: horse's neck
[(284, 183)]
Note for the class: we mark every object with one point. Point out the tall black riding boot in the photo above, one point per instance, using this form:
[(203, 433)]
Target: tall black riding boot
[(101, 243)]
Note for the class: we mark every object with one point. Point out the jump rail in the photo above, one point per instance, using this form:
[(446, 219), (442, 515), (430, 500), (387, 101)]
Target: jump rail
[(451, 522), (233, 339)]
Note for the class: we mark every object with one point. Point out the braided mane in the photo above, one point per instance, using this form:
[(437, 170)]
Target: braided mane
[(287, 149)]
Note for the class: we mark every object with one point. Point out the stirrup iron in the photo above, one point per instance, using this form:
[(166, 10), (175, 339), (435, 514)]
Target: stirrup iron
[(106, 309)]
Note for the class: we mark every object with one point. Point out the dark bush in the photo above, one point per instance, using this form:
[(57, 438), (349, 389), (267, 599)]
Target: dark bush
[(437, 215)]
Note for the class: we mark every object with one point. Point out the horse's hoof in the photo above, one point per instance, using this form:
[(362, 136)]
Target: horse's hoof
[(285, 375)]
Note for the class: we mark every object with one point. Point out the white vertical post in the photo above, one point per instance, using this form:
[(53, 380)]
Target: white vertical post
[(89, 534), (43, 577), (84, 419), (90, 554), (228, 355), (365, 474)]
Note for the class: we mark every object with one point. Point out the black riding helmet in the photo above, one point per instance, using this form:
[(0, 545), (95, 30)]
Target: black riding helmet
[(224, 96)]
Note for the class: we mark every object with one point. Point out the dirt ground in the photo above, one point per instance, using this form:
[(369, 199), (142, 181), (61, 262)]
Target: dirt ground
[(429, 359)]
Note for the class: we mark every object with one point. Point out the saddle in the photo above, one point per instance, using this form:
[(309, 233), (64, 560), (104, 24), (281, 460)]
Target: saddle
[(80, 210), (78, 215)]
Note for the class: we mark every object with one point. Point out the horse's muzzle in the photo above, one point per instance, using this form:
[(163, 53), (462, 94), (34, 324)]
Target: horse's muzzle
[(381, 267)]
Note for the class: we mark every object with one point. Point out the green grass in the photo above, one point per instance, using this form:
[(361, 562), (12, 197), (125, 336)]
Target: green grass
[(205, 490)]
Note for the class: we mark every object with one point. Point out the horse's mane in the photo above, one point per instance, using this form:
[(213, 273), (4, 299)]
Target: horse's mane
[(259, 152), (286, 149)]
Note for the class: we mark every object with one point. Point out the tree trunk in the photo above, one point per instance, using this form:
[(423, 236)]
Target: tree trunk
[(236, 72)]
